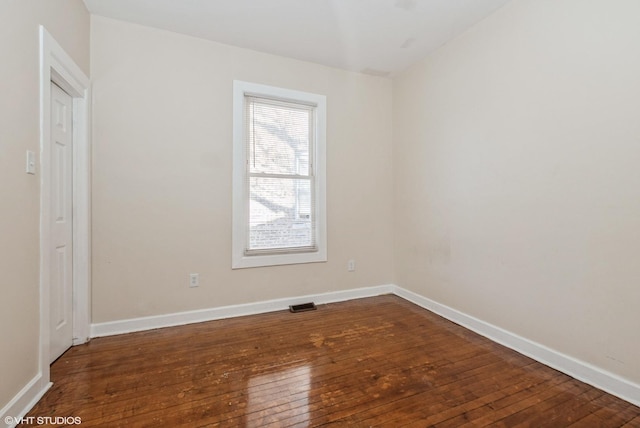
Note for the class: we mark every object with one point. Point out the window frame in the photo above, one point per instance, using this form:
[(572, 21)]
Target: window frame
[(240, 214)]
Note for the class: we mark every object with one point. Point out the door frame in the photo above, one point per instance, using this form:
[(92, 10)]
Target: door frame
[(58, 67)]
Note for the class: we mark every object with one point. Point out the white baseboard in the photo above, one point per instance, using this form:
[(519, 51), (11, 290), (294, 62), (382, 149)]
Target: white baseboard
[(182, 318), (23, 401), (585, 372)]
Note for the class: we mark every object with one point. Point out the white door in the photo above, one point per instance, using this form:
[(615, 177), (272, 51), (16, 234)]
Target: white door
[(61, 279)]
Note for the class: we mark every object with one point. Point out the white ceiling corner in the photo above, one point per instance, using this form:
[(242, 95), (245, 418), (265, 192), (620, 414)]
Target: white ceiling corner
[(378, 37)]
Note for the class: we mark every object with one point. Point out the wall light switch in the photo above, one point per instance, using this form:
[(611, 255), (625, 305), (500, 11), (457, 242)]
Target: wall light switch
[(31, 162)]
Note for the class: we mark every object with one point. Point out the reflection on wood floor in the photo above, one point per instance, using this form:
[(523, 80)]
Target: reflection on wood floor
[(378, 361)]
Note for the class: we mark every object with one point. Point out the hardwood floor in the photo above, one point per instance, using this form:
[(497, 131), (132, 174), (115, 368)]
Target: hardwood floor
[(379, 361)]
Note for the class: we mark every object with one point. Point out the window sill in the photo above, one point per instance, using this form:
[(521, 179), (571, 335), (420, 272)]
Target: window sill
[(241, 262)]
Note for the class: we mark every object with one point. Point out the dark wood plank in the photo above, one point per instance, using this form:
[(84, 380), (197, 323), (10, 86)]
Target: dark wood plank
[(370, 362), (635, 422)]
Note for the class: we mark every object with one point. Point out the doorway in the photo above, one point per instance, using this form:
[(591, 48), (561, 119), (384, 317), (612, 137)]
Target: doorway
[(65, 245)]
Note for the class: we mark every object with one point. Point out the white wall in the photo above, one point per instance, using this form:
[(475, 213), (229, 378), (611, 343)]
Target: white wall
[(162, 174), (68, 22), (517, 177)]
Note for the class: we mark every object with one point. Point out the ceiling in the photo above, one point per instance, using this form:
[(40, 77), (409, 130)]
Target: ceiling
[(379, 37)]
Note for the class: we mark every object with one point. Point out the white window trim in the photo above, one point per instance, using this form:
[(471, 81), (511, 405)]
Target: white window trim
[(239, 230)]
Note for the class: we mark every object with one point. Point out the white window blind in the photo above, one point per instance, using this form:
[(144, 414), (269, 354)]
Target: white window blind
[(279, 176)]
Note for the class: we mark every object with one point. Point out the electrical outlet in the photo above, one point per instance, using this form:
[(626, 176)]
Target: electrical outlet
[(194, 280), (351, 265)]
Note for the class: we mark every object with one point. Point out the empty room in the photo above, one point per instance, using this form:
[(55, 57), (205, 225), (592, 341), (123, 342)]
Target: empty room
[(252, 213)]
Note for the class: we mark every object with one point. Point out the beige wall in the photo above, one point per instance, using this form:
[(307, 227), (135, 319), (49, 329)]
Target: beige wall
[(68, 22), (162, 174), (517, 176), (515, 155)]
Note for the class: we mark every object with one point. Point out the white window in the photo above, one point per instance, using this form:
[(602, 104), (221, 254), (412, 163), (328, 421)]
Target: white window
[(279, 214)]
